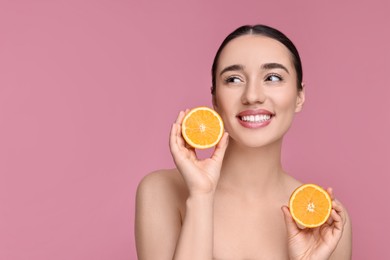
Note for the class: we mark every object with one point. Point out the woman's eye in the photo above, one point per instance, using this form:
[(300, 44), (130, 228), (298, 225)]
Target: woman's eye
[(233, 80), (274, 78)]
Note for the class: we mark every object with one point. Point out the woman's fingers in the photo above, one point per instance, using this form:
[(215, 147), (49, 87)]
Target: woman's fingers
[(338, 215), (177, 143), (176, 140), (173, 137), (220, 149), (291, 226), (179, 138), (180, 117), (330, 192)]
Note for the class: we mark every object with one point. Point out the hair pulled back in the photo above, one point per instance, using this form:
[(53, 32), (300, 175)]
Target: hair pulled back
[(266, 31)]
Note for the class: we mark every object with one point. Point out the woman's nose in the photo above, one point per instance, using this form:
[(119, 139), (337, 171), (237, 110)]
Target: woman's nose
[(254, 93)]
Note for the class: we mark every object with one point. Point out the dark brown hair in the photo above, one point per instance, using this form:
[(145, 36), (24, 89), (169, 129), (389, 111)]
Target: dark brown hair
[(263, 30)]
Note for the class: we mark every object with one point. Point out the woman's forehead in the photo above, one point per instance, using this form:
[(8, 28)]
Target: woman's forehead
[(254, 50)]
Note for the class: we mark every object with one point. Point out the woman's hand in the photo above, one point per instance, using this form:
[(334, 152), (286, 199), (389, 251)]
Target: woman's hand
[(201, 176), (315, 243)]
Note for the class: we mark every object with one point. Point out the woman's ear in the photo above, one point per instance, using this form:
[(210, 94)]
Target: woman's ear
[(300, 99)]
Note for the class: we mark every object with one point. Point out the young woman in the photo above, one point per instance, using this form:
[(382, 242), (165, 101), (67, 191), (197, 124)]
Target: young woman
[(232, 205)]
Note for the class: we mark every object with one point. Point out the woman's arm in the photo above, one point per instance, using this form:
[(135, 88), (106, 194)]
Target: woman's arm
[(157, 216), (196, 236), (159, 231)]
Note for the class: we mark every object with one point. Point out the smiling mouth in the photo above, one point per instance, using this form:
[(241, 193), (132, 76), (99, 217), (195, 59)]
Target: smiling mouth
[(255, 118)]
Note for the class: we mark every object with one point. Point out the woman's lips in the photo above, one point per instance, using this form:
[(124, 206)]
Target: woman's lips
[(255, 118)]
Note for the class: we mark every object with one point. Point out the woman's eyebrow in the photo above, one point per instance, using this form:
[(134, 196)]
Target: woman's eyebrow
[(265, 66), (235, 67), (274, 65)]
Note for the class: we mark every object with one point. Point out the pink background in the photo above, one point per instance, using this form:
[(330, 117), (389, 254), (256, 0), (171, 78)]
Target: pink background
[(89, 89)]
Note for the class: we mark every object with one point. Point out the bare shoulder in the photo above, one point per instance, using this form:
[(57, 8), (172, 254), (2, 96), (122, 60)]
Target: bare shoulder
[(291, 184), (162, 192), (163, 184), (160, 200)]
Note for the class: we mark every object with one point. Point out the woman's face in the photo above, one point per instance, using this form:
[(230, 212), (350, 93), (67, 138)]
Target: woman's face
[(256, 92)]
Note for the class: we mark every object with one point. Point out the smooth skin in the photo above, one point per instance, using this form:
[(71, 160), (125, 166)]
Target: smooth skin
[(233, 204)]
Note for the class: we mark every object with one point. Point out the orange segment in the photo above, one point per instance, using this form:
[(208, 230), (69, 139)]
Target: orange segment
[(310, 205), (202, 128)]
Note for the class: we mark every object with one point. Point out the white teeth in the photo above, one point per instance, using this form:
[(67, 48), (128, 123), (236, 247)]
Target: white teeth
[(256, 118)]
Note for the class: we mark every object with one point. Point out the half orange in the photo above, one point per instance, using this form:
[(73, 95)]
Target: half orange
[(310, 205), (202, 127)]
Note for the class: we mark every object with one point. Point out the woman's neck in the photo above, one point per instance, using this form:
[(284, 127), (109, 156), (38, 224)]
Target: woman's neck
[(252, 169)]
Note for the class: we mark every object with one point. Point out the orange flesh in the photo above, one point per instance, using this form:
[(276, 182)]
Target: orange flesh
[(310, 206)]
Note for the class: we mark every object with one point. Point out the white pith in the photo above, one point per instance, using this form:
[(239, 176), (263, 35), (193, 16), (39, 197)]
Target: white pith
[(311, 207), (202, 128)]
